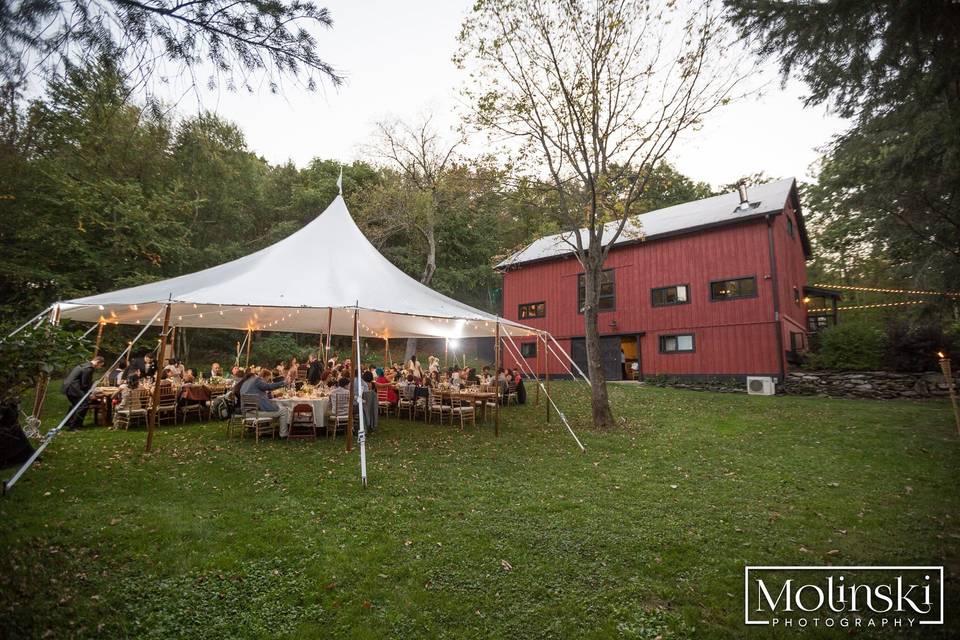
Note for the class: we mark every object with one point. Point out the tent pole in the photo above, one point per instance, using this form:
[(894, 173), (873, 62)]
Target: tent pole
[(173, 343), (356, 367), (362, 429), (152, 414), (249, 342), (496, 373), (96, 346), (386, 353), (42, 383), (326, 351), (546, 374), (446, 348), (537, 376), (516, 354)]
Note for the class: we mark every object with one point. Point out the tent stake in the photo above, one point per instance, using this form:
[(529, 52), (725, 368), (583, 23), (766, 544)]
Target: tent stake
[(152, 416)]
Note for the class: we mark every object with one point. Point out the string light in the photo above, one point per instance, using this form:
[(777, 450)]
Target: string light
[(951, 294), (868, 306)]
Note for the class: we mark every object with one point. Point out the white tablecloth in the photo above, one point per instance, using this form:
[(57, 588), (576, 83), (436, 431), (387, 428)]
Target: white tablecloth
[(320, 408)]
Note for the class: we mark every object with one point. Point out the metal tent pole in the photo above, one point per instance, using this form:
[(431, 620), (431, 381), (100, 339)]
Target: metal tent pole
[(563, 417), (361, 430), (152, 413), (31, 321), (496, 378), (326, 351)]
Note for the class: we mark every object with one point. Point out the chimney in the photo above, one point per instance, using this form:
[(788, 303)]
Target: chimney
[(744, 200)]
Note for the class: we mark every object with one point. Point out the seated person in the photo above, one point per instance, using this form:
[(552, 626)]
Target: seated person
[(215, 370), (189, 376), (340, 393), (131, 383), (392, 395), (115, 377), (257, 385), (235, 372), (314, 369)]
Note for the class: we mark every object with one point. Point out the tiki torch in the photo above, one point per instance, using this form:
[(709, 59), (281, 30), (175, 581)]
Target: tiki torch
[(948, 374)]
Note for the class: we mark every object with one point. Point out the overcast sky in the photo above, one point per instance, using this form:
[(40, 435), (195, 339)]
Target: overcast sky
[(396, 57)]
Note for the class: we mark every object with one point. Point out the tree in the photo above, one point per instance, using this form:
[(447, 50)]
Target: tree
[(232, 39), (422, 158), (889, 186), (594, 95)]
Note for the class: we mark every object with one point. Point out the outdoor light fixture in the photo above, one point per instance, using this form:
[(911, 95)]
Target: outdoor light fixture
[(454, 343)]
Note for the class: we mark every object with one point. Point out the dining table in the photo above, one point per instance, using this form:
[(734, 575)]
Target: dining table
[(319, 404)]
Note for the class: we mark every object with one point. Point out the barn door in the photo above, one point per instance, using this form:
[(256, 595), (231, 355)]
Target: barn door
[(609, 355)]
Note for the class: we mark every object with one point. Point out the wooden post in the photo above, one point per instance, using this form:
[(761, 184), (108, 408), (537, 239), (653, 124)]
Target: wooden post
[(546, 374), (41, 391), (96, 345), (173, 345), (446, 348), (152, 414), (386, 353), (948, 375), (326, 351), (496, 374), (249, 341), (356, 368), (539, 353)]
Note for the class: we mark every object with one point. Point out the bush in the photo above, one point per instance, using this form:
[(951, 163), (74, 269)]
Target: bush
[(913, 347), (852, 346), (274, 348)]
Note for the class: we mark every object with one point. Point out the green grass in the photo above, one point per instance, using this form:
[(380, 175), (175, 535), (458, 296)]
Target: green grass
[(644, 536)]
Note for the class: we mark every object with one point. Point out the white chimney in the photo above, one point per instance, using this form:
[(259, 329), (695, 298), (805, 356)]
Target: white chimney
[(744, 200)]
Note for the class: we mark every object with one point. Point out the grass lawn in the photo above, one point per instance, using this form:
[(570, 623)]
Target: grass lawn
[(463, 535)]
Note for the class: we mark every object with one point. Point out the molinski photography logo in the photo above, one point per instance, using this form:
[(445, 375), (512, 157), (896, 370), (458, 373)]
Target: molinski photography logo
[(843, 597)]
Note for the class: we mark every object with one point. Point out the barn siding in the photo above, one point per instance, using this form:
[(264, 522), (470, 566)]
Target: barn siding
[(733, 337)]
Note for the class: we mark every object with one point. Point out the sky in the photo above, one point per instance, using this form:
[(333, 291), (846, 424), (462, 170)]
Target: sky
[(397, 61)]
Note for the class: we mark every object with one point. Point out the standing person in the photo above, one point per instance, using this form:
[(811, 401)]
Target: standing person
[(75, 387), (623, 365), (314, 369), (149, 368), (292, 371)]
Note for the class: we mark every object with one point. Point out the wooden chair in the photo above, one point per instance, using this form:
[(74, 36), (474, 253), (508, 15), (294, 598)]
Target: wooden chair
[(253, 421), (302, 423), (191, 407), (406, 401), (136, 410), (167, 405), (464, 408), (302, 372), (235, 421), (383, 399), (339, 413), (512, 392), (435, 407), (489, 405)]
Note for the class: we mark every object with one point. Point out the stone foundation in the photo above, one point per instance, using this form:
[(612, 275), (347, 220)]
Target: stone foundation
[(866, 384)]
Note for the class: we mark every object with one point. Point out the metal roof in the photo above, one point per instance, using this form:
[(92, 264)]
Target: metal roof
[(723, 209)]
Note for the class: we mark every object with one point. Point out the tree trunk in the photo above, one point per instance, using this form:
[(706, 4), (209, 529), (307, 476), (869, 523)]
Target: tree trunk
[(428, 270), (602, 415)]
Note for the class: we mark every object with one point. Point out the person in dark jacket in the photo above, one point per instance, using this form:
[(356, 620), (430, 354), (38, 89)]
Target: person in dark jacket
[(314, 370), (75, 387)]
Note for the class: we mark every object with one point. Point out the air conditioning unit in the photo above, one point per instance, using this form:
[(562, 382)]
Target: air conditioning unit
[(760, 386)]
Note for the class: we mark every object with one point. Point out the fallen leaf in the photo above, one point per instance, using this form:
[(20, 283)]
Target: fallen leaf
[(506, 565)]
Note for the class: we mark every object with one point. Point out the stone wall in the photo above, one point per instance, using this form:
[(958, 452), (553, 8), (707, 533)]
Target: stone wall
[(866, 384)]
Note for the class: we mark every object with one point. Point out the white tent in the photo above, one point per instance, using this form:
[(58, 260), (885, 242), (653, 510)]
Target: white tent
[(321, 274)]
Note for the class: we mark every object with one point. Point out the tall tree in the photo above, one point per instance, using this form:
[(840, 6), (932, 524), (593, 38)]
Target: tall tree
[(418, 152), (596, 93), (235, 40), (889, 186)]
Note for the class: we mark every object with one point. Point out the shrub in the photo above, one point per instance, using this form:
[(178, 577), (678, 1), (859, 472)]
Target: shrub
[(913, 346), (851, 346), (273, 348)]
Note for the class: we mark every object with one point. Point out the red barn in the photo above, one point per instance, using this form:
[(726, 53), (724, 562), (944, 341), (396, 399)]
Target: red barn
[(712, 288)]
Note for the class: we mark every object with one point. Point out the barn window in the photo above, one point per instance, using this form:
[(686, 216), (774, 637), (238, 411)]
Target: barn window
[(665, 296), (789, 226), (607, 289), (733, 289), (532, 310), (679, 343), (528, 349)]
